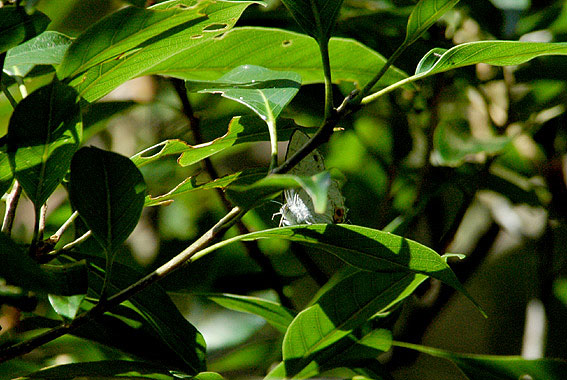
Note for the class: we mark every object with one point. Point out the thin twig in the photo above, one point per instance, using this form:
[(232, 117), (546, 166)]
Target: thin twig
[(42, 218), (219, 228), (77, 241), (11, 205), (57, 235)]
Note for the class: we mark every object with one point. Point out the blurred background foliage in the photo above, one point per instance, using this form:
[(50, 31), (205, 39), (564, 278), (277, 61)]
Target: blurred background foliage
[(472, 162)]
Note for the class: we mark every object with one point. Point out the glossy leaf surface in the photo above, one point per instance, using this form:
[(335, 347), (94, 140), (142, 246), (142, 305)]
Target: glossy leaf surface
[(364, 248), (108, 192), (264, 91), (44, 133)]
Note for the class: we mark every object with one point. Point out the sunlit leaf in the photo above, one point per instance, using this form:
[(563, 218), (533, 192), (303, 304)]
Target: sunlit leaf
[(16, 26), (364, 248), (6, 176), (274, 313), (46, 49), (108, 191), (264, 91), (66, 307), (44, 133)]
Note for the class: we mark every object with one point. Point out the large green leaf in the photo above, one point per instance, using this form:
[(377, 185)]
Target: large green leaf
[(44, 132), (264, 91), (46, 49), (16, 26), (208, 58), (361, 247), (107, 369), (124, 46), (274, 313), (346, 306), (492, 367), (19, 269), (347, 352), (108, 191), (423, 15), (316, 17)]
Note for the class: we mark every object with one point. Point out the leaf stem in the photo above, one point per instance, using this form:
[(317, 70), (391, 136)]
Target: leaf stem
[(178, 261), (11, 205), (329, 107)]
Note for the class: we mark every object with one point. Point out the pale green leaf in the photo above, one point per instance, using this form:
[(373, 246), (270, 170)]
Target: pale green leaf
[(264, 91), (274, 313), (66, 306)]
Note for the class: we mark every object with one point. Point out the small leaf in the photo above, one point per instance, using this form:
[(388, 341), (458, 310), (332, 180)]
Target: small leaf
[(274, 313), (44, 133), (492, 367), (424, 14), (316, 17), (207, 376), (20, 270), (46, 49), (452, 147), (67, 307), (361, 247), (264, 91), (108, 192), (16, 26), (6, 176), (205, 58)]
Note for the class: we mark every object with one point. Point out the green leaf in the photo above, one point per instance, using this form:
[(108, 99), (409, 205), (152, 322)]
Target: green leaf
[(19, 269), (274, 313), (66, 307), (159, 312), (346, 306), (264, 91), (452, 147), (251, 194), (361, 247), (242, 129), (16, 26), (424, 14), (492, 367), (6, 176), (46, 49), (347, 352), (206, 59), (208, 376), (103, 369), (108, 192), (498, 53), (129, 42), (44, 133), (316, 17)]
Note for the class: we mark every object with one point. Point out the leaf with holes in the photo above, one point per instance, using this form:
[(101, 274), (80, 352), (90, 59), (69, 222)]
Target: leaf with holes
[(127, 43), (44, 133), (108, 191), (264, 91)]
